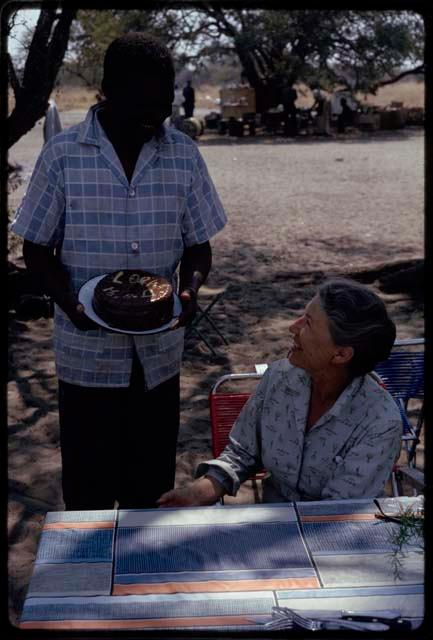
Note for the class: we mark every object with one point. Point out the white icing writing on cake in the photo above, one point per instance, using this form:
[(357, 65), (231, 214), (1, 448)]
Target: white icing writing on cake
[(110, 291), (135, 278)]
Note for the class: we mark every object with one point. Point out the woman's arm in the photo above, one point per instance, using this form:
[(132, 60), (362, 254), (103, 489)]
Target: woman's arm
[(201, 492)]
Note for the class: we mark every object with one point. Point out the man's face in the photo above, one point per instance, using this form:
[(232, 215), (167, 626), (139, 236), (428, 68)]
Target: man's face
[(140, 104), (313, 347)]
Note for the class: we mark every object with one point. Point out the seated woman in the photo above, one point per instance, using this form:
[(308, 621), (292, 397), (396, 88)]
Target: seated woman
[(318, 423)]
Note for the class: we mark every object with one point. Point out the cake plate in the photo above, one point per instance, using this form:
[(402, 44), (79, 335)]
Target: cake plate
[(85, 296)]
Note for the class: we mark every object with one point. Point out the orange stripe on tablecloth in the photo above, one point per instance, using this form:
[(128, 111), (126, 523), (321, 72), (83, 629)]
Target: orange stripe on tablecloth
[(215, 585), (80, 525), (162, 623), (338, 518)]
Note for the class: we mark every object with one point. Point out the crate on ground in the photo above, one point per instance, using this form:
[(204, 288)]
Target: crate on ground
[(212, 119), (369, 121), (235, 101), (392, 118)]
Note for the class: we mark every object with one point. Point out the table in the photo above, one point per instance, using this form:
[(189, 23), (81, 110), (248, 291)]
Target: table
[(218, 568)]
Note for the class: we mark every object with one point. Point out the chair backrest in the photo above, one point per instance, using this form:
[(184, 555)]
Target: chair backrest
[(402, 375), (403, 372), (225, 408)]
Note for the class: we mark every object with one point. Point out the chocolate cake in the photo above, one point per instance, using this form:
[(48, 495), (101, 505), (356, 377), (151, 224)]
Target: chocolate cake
[(133, 300)]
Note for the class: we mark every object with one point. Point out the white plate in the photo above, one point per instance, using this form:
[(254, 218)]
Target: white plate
[(85, 296)]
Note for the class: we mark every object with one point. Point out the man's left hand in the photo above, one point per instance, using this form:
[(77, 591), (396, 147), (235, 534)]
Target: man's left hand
[(188, 298)]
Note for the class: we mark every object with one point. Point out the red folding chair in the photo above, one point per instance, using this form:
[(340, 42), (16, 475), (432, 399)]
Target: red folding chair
[(225, 408)]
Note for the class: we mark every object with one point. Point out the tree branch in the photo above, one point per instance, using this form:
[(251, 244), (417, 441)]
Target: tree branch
[(44, 59), (420, 69)]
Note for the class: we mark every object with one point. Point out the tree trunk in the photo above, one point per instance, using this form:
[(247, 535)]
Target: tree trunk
[(44, 59), (266, 90)]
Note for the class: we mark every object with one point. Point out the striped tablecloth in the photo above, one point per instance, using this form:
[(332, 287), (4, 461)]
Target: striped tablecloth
[(221, 567)]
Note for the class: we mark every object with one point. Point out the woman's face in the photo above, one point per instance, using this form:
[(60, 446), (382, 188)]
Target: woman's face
[(313, 348)]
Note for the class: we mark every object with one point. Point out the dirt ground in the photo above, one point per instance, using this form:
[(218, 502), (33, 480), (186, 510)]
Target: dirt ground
[(298, 210)]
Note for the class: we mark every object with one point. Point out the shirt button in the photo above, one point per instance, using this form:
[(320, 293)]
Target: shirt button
[(134, 246), (132, 192)]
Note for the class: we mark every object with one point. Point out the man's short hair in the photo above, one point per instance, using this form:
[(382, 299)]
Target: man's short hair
[(137, 53)]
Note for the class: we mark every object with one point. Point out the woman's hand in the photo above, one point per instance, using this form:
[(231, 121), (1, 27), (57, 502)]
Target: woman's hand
[(201, 492)]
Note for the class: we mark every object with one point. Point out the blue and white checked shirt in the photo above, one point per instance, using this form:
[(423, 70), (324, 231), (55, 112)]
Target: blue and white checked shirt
[(80, 199)]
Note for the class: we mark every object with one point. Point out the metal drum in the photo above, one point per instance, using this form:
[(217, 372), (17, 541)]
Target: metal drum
[(193, 127)]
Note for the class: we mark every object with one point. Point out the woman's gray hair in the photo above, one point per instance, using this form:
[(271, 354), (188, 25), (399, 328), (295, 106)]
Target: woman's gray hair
[(357, 318)]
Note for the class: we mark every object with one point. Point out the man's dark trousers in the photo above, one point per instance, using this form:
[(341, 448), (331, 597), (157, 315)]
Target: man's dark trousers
[(118, 443)]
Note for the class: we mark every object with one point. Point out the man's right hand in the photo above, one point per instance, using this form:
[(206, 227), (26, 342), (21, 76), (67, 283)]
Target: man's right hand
[(76, 314)]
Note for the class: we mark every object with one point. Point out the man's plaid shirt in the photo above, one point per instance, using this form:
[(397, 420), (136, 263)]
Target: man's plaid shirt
[(79, 199)]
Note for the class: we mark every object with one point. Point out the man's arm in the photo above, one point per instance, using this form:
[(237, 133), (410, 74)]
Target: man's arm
[(194, 269), (44, 265)]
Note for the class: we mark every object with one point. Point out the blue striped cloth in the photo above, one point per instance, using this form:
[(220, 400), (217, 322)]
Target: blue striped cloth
[(80, 199)]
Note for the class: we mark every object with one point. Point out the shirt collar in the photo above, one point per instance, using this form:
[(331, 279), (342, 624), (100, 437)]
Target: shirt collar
[(345, 400), (343, 403), (92, 132)]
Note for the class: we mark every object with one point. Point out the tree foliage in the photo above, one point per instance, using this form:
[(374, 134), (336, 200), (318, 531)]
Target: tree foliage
[(95, 29), (357, 49)]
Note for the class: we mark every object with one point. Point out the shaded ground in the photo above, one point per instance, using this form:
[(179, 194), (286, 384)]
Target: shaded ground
[(298, 210)]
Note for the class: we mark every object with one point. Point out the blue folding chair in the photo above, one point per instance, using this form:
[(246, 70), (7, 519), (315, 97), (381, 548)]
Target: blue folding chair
[(403, 376)]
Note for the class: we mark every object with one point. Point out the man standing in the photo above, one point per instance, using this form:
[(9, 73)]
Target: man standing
[(189, 102), (119, 191), (345, 117), (322, 106), (289, 96)]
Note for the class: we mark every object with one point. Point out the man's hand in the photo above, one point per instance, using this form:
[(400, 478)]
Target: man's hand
[(44, 265), (188, 298), (194, 267), (76, 314), (201, 492)]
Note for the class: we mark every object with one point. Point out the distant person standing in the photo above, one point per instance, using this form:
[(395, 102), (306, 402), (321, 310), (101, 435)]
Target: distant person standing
[(345, 118), (323, 109), (189, 99), (52, 124), (288, 98), (175, 107)]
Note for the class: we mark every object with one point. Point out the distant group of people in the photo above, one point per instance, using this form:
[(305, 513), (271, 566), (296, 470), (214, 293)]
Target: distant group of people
[(322, 107)]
